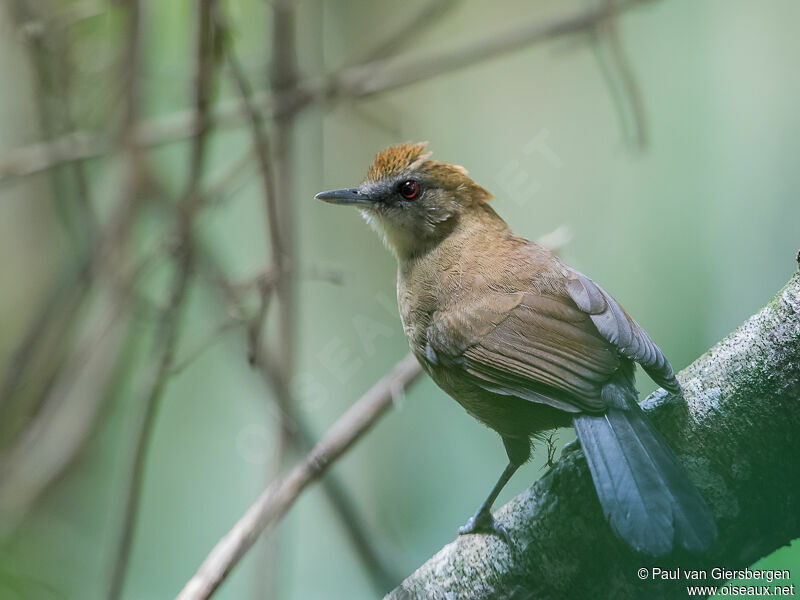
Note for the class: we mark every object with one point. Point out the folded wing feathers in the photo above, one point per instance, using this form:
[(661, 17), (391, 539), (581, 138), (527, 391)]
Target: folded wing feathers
[(620, 330), (533, 346)]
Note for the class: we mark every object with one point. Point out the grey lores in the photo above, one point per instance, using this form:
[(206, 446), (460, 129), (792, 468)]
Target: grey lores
[(526, 344)]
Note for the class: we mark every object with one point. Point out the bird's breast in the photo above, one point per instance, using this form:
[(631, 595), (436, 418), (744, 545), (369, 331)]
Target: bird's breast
[(415, 313)]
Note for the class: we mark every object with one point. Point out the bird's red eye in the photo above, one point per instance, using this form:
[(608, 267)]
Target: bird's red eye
[(409, 189)]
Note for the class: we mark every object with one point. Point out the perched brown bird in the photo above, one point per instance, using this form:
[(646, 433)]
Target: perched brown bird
[(526, 344)]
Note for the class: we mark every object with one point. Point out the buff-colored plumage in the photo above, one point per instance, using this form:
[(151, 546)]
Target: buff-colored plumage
[(525, 344)]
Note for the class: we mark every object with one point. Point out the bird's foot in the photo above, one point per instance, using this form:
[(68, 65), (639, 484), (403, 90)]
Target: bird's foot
[(484, 522)]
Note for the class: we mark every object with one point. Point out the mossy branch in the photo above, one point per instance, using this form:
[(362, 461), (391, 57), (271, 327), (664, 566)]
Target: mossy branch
[(738, 435)]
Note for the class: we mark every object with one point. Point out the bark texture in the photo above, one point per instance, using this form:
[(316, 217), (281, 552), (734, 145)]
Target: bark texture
[(737, 432)]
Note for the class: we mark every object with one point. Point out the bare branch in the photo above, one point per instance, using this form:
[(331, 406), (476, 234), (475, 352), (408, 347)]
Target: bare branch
[(274, 229), (262, 151), (620, 80), (58, 433), (168, 334), (50, 56), (430, 14), (297, 429), (224, 327), (383, 577), (54, 318), (283, 77), (382, 76), (169, 326), (279, 497), (256, 326), (292, 419), (351, 83), (73, 400), (54, 416)]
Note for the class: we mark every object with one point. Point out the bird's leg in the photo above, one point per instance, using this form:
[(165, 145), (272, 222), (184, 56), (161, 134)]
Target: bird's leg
[(483, 521), (518, 450)]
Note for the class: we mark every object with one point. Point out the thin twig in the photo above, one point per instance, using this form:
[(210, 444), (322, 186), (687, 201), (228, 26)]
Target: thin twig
[(262, 151), (168, 334), (54, 318), (382, 76), (60, 430), (278, 198), (283, 78), (620, 80), (54, 426), (552, 449), (279, 497), (275, 234), (226, 181), (382, 575), (55, 116), (55, 314), (349, 83), (73, 398), (169, 326), (228, 324), (299, 433), (430, 14), (65, 419), (73, 401), (256, 325)]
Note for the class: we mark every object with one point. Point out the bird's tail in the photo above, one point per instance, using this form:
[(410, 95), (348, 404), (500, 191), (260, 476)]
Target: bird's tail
[(644, 492)]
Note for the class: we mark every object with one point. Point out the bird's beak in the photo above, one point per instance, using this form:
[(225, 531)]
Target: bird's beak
[(349, 196)]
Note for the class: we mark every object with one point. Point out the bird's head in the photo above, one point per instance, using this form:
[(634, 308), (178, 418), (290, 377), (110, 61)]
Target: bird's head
[(413, 202)]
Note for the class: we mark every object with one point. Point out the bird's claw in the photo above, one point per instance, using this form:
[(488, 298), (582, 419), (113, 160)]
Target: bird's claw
[(484, 522)]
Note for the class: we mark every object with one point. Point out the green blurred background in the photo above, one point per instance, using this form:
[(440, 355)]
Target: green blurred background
[(693, 231)]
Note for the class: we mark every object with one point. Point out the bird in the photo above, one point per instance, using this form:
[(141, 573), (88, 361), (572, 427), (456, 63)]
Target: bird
[(526, 344)]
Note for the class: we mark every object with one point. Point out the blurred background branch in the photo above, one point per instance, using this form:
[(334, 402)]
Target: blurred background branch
[(349, 83), (157, 374), (172, 303), (279, 497)]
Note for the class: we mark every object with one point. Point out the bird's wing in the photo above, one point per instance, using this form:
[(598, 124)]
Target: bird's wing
[(619, 329), (536, 346)]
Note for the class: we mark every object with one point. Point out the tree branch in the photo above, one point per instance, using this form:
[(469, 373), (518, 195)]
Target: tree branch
[(383, 76), (425, 18), (54, 438), (622, 85), (353, 83), (291, 418), (172, 316), (740, 418), (281, 495)]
